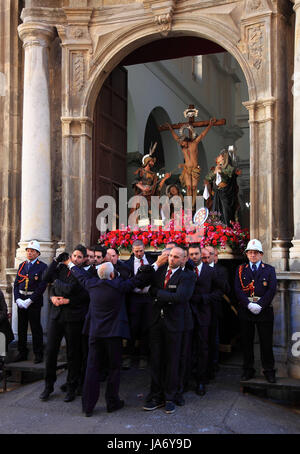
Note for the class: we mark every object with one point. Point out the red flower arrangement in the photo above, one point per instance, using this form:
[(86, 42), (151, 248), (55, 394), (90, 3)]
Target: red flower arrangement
[(213, 233)]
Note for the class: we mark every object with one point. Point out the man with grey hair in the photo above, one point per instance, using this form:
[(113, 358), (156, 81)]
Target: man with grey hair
[(106, 325), (106, 271)]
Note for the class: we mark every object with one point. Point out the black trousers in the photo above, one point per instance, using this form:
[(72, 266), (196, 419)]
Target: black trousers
[(265, 334), (200, 351), (138, 310), (164, 362), (57, 329), (185, 361), (95, 364), (32, 315)]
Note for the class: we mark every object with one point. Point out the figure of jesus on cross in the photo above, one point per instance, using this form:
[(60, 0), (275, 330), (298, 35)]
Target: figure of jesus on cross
[(190, 174)]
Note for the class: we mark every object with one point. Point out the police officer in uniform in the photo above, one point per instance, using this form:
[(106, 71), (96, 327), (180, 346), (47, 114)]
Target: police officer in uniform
[(255, 288), (28, 293)]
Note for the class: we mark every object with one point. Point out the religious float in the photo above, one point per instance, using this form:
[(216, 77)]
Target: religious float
[(206, 229)]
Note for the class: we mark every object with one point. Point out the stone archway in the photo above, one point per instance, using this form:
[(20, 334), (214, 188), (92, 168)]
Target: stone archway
[(260, 110)]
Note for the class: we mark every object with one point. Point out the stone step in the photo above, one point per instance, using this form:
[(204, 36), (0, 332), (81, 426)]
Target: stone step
[(285, 388), (24, 372)]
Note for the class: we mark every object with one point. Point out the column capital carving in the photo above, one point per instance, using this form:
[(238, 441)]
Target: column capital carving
[(36, 34), (296, 4)]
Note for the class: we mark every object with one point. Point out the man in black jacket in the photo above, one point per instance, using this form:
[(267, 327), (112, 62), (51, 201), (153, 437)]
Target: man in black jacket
[(217, 309), (206, 290), (138, 303), (171, 290), (69, 306)]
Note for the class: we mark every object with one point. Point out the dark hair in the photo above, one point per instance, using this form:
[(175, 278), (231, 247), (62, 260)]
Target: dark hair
[(80, 248), (101, 249), (183, 248), (195, 246), (114, 249)]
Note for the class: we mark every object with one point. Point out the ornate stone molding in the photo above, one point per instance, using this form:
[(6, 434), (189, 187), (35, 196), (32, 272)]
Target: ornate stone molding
[(261, 110), (77, 127), (78, 70), (253, 44), (36, 34), (162, 11)]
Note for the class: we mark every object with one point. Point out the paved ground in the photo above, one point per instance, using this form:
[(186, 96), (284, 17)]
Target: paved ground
[(223, 410)]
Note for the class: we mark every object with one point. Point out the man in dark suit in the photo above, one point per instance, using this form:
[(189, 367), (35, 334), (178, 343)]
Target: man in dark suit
[(28, 293), (106, 325), (171, 289), (217, 310), (138, 308), (255, 288), (206, 289), (69, 306), (185, 364), (119, 266), (89, 264)]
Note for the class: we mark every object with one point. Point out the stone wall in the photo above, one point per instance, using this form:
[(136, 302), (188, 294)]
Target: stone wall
[(11, 77)]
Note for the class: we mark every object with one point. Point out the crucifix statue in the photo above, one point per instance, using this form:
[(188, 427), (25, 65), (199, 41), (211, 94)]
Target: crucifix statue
[(190, 174)]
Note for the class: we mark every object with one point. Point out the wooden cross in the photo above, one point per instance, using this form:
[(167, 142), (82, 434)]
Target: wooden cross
[(193, 123)]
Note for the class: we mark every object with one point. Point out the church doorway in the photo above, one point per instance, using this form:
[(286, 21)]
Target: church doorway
[(154, 85)]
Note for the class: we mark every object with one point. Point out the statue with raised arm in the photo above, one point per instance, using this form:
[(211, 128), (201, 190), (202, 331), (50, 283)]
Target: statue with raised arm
[(190, 174)]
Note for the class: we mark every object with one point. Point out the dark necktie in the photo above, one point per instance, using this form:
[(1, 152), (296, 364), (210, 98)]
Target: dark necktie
[(197, 271), (167, 278), (254, 269), (29, 265), (142, 262)]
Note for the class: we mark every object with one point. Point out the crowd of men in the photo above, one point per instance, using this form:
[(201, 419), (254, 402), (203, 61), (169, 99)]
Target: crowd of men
[(166, 306)]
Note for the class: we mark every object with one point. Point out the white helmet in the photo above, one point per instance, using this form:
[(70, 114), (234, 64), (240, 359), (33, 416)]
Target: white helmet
[(33, 244), (254, 245)]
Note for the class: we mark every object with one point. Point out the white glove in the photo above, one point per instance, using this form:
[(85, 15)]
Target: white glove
[(254, 308), (19, 303), (27, 303)]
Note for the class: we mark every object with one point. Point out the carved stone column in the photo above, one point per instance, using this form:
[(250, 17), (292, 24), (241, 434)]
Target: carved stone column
[(295, 250), (36, 159), (36, 163)]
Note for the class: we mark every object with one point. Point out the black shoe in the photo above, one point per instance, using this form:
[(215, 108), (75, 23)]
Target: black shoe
[(115, 407), (70, 396), (88, 414), (152, 405), (64, 387), (247, 375), (20, 357), (270, 376), (46, 393), (200, 390), (170, 407), (38, 359), (179, 400)]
